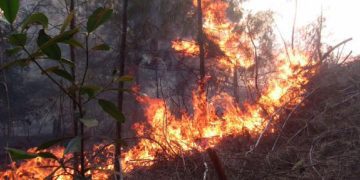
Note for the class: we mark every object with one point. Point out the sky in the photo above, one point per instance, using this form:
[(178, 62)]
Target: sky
[(342, 18)]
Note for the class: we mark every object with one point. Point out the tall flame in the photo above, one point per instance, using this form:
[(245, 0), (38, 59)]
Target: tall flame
[(219, 29), (165, 135), (169, 135)]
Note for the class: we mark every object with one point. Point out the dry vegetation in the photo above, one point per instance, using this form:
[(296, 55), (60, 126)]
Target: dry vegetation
[(320, 139)]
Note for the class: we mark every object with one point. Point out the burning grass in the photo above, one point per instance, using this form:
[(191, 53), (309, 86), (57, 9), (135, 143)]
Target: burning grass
[(284, 132), (169, 137), (319, 141)]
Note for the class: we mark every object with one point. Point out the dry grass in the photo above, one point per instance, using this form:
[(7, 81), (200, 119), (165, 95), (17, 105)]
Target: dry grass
[(321, 140)]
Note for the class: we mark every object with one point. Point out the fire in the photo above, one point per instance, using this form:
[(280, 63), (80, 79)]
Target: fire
[(31, 169), (235, 45), (43, 168), (165, 135), (170, 136), (189, 48)]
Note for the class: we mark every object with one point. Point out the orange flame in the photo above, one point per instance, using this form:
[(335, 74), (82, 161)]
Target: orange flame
[(43, 168), (189, 48), (169, 136), (220, 30), (165, 135)]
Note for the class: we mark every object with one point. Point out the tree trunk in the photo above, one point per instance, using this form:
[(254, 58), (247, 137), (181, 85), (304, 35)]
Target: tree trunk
[(236, 85), (122, 58), (73, 73), (201, 42), (8, 126), (202, 85)]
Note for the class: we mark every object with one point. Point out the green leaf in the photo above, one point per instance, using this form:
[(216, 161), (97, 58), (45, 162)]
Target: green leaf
[(13, 51), (73, 145), (67, 35), (19, 154), (60, 72), (53, 51), (68, 62), (51, 143), (112, 110), (101, 47), (47, 155), (90, 90), (59, 38), (99, 17), (90, 122), (67, 21), (125, 78), (74, 43), (19, 62), (121, 90), (18, 39), (35, 19), (10, 8)]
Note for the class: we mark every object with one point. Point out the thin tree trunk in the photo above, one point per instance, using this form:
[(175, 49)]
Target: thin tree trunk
[(202, 89), (122, 58), (256, 59), (201, 42), (73, 73), (61, 116), (236, 85), (294, 25), (82, 143), (319, 34), (8, 129)]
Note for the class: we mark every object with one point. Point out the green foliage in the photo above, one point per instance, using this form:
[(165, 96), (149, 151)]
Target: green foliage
[(99, 17), (112, 110), (89, 122), (46, 43), (125, 78), (62, 73), (18, 39), (67, 21), (73, 43), (90, 90), (53, 51), (101, 47), (13, 51), (19, 62), (67, 62), (51, 143), (66, 36), (10, 8), (48, 48), (35, 19), (19, 154), (74, 145)]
